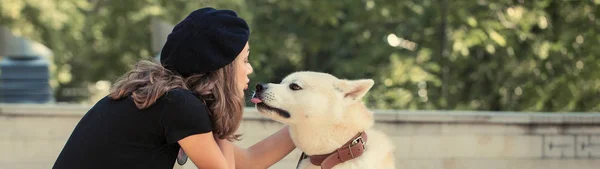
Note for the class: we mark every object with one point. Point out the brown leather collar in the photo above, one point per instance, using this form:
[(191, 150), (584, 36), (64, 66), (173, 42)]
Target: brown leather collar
[(352, 149)]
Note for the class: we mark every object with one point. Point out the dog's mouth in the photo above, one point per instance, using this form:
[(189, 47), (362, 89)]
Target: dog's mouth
[(264, 107)]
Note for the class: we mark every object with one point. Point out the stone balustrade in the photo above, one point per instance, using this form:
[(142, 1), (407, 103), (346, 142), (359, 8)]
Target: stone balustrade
[(31, 136)]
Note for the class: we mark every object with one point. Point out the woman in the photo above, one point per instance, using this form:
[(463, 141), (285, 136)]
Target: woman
[(193, 101)]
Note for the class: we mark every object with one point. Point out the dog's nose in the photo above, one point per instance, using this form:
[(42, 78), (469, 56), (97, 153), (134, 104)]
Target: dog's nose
[(260, 87)]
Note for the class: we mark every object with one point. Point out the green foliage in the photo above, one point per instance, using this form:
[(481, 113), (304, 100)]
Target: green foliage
[(505, 55), (93, 40), (496, 55)]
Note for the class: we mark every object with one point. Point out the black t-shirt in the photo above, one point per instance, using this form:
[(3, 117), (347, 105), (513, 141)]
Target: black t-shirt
[(115, 134)]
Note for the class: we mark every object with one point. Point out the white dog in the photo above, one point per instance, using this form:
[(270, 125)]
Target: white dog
[(327, 120)]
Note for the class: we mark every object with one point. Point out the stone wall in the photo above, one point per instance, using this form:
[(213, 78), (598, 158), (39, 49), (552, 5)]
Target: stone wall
[(31, 136)]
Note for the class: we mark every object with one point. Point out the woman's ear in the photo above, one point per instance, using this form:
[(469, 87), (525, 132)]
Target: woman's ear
[(354, 90)]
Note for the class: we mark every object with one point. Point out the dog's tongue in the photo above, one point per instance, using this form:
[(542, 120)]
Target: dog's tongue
[(255, 100)]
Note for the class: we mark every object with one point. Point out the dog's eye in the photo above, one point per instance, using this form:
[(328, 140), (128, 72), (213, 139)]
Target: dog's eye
[(295, 86)]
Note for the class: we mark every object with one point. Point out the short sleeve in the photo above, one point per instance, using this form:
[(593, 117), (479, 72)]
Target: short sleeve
[(183, 115)]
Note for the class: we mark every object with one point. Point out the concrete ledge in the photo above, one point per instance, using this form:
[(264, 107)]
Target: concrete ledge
[(393, 116), (499, 117), (422, 139), (43, 109)]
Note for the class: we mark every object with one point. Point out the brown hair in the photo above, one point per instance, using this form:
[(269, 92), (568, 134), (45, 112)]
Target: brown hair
[(148, 81)]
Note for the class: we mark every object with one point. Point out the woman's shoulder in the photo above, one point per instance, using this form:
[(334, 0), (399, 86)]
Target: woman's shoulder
[(180, 91), (181, 95), (182, 101), (184, 114)]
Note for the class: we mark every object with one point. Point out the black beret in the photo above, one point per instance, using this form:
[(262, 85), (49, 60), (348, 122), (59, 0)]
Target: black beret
[(206, 40)]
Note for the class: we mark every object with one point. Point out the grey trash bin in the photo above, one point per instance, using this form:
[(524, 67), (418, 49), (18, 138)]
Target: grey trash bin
[(25, 80)]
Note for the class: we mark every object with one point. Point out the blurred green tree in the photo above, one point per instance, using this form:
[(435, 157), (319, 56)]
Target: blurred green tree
[(94, 40), (508, 55), (505, 55)]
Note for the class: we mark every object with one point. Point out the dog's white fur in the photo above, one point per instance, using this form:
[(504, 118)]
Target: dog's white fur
[(326, 113)]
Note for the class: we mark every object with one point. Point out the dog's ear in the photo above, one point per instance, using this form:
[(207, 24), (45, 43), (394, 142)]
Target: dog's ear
[(354, 90)]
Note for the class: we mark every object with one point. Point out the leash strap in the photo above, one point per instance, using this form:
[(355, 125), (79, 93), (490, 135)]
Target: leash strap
[(302, 157)]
